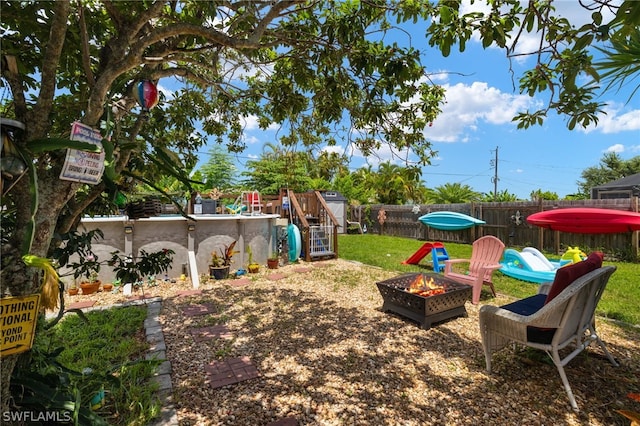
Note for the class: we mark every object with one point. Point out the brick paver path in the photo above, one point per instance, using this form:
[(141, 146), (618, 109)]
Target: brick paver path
[(219, 331), (230, 371), (201, 309), (240, 282), (82, 305), (276, 277)]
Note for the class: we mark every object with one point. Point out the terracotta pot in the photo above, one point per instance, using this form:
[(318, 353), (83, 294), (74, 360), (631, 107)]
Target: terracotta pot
[(107, 287), (273, 263), (90, 288), (73, 291)]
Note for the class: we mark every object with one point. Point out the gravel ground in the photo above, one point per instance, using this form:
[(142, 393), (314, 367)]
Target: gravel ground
[(327, 355)]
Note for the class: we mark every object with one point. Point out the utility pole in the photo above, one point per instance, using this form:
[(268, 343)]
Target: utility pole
[(495, 177)]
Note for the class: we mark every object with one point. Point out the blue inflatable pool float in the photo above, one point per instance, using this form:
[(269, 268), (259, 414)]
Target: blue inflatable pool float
[(530, 265), (295, 242)]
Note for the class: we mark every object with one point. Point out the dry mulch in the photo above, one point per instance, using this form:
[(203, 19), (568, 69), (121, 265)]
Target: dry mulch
[(327, 355)]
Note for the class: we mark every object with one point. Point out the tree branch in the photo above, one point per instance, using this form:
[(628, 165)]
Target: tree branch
[(84, 47), (38, 128), (15, 81), (144, 19)]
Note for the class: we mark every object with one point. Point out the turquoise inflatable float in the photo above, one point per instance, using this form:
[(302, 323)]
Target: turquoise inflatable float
[(295, 242)]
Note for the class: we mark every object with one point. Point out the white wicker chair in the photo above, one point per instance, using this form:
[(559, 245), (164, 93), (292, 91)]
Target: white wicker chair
[(568, 319)]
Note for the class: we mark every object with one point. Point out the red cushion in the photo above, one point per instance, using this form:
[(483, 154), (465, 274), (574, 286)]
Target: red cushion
[(570, 273)]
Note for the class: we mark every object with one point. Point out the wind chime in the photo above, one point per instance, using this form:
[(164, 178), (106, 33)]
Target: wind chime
[(13, 164)]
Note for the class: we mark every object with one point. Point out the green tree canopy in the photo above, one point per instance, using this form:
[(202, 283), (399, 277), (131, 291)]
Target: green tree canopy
[(299, 65), (219, 171), (358, 185), (278, 168), (539, 194), (501, 196), (398, 185), (611, 167)]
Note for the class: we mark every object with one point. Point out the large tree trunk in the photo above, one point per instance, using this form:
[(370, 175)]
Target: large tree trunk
[(17, 278), (14, 276)]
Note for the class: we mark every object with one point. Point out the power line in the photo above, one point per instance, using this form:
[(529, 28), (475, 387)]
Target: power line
[(456, 174), (541, 166)]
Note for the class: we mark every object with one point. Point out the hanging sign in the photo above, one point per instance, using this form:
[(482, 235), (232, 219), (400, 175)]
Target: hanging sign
[(18, 318), (84, 166)]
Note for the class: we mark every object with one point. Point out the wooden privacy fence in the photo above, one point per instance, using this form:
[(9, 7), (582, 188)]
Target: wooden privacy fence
[(505, 220)]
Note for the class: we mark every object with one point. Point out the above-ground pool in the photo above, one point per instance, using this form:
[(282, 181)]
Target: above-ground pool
[(195, 238)]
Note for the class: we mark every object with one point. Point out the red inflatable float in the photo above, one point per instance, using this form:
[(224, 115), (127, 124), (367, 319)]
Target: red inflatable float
[(584, 220)]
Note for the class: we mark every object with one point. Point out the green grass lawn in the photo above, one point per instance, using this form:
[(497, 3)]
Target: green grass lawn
[(96, 370), (620, 301)]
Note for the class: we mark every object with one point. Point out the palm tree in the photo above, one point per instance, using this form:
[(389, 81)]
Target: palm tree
[(451, 193), (501, 196), (621, 61), (398, 185)]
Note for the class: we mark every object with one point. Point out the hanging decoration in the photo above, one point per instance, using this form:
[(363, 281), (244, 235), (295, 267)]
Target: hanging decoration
[(120, 200), (12, 164), (146, 93)]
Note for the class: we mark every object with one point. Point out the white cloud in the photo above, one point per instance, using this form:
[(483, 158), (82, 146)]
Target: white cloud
[(466, 106), (250, 122), (437, 76), (250, 139), (383, 155), (168, 93), (615, 120), (617, 148), (333, 149)]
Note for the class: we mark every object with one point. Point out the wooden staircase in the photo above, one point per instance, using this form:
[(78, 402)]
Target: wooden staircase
[(317, 223)]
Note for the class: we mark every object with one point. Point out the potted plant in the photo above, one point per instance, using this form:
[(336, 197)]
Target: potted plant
[(88, 267), (73, 289), (92, 285), (220, 264), (252, 267), (132, 270), (273, 262)]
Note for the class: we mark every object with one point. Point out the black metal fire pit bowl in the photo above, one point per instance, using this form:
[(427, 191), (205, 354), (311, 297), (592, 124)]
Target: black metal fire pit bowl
[(424, 310)]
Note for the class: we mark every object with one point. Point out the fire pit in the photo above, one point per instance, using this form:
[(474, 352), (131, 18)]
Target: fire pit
[(424, 298)]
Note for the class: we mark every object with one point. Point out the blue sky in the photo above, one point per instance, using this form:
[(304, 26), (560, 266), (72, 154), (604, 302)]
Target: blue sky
[(481, 100)]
